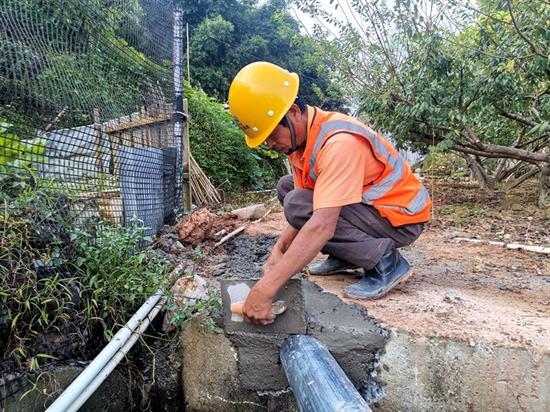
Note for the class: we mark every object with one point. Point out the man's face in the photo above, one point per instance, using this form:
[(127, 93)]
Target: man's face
[(279, 140)]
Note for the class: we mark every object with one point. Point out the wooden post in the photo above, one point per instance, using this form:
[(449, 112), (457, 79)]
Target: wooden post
[(97, 128), (187, 199)]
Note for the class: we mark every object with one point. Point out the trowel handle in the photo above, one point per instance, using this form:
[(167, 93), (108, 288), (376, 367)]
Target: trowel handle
[(279, 307)]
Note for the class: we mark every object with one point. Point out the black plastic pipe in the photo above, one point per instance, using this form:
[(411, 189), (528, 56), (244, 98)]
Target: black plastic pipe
[(319, 384)]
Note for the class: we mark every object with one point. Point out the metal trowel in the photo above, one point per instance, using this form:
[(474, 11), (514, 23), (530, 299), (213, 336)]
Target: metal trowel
[(287, 306), (279, 307)]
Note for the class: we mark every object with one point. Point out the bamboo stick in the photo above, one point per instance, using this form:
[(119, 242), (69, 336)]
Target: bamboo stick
[(229, 236), (202, 188)]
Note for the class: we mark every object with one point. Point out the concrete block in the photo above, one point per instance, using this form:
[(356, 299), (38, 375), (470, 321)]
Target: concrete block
[(349, 333), (259, 365), (290, 322), (211, 380)]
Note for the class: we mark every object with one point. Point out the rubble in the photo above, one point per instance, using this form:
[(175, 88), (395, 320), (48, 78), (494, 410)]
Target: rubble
[(202, 225)]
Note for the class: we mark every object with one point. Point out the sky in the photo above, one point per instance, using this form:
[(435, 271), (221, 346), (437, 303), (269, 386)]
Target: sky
[(308, 21)]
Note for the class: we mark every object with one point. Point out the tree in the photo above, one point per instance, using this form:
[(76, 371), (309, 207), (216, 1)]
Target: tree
[(469, 79), (227, 35)]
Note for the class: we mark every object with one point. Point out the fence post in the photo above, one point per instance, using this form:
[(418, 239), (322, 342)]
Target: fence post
[(179, 116), (187, 195)]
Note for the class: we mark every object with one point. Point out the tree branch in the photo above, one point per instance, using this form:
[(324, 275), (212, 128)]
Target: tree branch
[(529, 42), (516, 117), (485, 150), (471, 136), (536, 139), (534, 171)]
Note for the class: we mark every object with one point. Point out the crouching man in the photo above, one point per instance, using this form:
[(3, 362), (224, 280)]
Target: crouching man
[(351, 195)]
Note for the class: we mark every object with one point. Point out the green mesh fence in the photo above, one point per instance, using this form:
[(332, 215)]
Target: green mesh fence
[(87, 145), (85, 89)]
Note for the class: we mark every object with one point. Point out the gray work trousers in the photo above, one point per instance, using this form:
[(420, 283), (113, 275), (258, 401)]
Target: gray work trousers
[(362, 236)]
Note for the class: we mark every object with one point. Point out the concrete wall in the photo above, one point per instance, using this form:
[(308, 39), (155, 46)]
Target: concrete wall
[(434, 374), (232, 371)]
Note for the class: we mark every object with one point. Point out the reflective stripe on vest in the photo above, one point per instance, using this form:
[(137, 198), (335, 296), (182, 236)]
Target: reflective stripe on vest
[(416, 205)]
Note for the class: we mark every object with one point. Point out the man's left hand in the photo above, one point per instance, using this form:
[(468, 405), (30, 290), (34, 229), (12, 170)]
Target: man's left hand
[(258, 308)]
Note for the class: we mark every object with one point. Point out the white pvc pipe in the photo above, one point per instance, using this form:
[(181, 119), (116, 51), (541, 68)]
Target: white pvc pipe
[(74, 390), (530, 248), (115, 360)]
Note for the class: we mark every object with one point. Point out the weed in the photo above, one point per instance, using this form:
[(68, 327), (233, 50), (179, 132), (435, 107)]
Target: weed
[(61, 284), (198, 255), (194, 309)]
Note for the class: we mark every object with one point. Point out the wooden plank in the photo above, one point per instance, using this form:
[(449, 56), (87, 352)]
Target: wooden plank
[(104, 193), (97, 129), (141, 122)]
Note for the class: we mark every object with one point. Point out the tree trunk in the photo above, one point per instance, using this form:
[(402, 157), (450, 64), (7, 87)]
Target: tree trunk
[(544, 184), (479, 173)]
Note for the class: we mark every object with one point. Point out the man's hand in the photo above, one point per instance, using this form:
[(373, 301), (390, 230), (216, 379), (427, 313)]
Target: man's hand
[(258, 307), (298, 248)]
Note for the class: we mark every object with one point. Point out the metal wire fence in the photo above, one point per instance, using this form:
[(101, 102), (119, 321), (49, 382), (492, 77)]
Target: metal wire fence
[(86, 92), (88, 134)]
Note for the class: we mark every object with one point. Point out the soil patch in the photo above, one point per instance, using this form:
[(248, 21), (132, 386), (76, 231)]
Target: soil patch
[(477, 293)]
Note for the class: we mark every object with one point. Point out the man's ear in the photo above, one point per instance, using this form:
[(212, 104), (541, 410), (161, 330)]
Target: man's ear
[(294, 112)]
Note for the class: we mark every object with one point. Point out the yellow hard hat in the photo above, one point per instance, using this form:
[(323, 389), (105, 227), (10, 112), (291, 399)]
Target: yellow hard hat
[(259, 97)]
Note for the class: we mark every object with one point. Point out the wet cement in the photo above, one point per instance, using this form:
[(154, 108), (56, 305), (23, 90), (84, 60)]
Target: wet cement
[(351, 335), (246, 256), (292, 321)]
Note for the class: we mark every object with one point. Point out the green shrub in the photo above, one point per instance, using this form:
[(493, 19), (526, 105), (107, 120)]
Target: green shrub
[(218, 145), (17, 152), (78, 284)]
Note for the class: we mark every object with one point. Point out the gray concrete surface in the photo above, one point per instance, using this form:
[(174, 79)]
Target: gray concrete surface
[(349, 333), (435, 374)]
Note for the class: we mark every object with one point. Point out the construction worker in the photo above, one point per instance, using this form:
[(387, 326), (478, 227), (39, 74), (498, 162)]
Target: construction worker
[(351, 195)]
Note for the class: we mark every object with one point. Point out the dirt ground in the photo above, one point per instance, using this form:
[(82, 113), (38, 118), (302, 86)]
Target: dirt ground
[(478, 293)]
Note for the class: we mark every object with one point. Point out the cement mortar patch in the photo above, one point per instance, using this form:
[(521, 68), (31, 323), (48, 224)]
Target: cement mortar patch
[(290, 322), (350, 334), (210, 376), (436, 374), (347, 330)]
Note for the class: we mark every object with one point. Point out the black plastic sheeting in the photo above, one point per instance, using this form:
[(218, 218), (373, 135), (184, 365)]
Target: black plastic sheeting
[(147, 181), (319, 384)]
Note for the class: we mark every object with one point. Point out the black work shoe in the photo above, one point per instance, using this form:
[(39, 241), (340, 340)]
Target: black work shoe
[(330, 266), (377, 282)]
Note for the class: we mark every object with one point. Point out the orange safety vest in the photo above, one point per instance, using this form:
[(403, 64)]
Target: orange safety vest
[(396, 194)]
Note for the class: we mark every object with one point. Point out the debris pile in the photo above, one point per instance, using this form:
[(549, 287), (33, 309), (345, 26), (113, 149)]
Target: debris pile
[(203, 225)]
